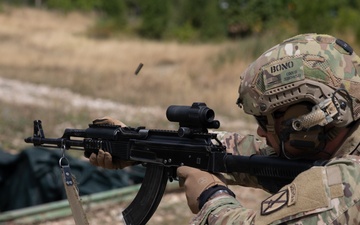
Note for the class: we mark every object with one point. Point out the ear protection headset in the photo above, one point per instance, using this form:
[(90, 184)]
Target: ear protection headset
[(307, 132), (309, 141)]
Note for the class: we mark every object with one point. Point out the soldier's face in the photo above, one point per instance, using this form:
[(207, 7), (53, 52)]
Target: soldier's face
[(331, 146)]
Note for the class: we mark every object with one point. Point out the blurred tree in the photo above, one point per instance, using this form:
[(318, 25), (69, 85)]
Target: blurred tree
[(348, 18), (69, 5), (201, 19), (246, 17), (317, 16), (113, 10), (189, 20), (155, 18), (213, 23)]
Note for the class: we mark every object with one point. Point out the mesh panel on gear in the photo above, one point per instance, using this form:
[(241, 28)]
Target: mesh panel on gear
[(260, 83), (354, 91), (356, 111), (316, 64)]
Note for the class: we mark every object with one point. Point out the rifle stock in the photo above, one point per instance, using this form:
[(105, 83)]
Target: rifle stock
[(162, 151)]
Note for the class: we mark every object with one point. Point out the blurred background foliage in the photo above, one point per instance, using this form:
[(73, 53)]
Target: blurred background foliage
[(195, 51), (200, 44), (212, 20)]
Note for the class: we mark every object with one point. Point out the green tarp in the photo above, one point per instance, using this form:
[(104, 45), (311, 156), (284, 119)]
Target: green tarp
[(33, 177)]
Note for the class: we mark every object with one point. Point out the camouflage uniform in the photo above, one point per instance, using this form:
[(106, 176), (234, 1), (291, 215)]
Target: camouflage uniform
[(304, 68), (320, 195)]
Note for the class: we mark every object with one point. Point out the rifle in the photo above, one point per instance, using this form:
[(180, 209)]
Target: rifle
[(163, 151)]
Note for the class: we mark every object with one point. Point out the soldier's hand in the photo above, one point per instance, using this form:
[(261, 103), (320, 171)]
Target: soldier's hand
[(195, 183), (104, 159), (109, 120)]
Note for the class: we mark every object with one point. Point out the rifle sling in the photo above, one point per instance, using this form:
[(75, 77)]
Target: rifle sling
[(73, 197)]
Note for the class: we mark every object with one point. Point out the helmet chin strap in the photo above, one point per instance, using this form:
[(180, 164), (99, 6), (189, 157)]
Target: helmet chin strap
[(303, 156), (270, 128), (307, 148), (285, 154), (299, 144)]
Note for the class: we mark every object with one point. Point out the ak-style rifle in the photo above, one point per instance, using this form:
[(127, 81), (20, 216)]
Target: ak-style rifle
[(163, 151)]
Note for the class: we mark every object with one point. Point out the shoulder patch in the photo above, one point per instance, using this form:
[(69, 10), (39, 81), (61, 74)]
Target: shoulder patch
[(292, 194), (274, 202)]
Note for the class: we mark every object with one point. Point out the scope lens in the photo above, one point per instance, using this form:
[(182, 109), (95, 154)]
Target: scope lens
[(209, 115)]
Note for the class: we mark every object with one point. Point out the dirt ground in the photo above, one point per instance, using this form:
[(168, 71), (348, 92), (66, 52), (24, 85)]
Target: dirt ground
[(172, 209)]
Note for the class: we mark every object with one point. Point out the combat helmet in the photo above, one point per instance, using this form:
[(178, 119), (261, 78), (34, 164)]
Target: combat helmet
[(315, 68)]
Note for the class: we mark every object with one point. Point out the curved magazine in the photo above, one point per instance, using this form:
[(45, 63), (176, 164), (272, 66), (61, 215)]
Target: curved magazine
[(149, 196)]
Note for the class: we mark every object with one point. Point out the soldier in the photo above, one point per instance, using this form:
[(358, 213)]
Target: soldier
[(305, 95)]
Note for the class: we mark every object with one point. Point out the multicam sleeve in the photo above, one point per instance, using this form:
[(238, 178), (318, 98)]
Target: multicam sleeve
[(227, 209), (331, 196), (247, 145), (224, 210), (238, 144)]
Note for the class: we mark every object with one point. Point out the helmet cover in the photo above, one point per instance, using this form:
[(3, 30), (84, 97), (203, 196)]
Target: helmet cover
[(307, 67)]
